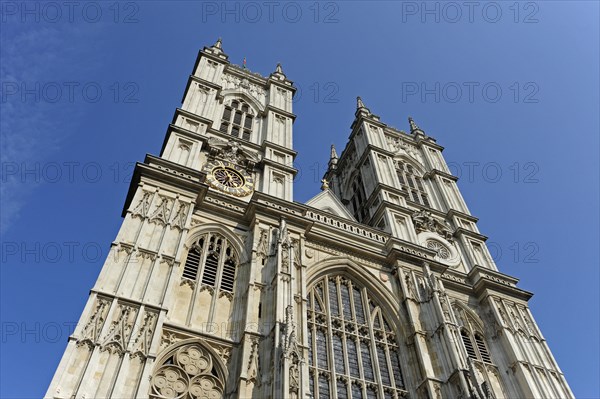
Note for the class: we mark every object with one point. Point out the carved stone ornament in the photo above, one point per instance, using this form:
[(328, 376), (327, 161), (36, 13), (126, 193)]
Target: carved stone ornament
[(118, 335), (424, 221), (142, 208), (232, 151), (180, 217), (143, 339), (253, 364), (162, 211), (262, 248), (92, 329)]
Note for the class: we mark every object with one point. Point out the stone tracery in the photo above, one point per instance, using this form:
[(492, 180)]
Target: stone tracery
[(190, 372)]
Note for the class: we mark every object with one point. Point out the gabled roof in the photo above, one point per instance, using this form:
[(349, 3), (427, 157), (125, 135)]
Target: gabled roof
[(328, 202)]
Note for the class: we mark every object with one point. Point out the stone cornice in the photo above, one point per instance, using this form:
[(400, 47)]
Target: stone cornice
[(434, 172), (462, 231), (487, 282), (429, 143), (278, 147), (453, 212), (286, 84), (286, 168), (280, 111), (399, 249)]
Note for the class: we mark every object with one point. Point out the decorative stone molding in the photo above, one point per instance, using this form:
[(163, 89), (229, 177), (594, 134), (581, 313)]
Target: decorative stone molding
[(219, 203), (117, 337), (243, 85), (180, 217), (91, 331), (253, 364), (143, 339), (279, 207), (343, 224), (424, 221), (143, 206), (162, 211), (175, 172)]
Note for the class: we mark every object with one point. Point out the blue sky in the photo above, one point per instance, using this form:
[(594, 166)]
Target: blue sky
[(510, 89)]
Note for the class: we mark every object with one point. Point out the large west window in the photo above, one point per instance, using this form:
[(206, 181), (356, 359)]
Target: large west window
[(353, 350)]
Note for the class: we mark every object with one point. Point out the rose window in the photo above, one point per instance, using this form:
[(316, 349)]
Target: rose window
[(188, 374)]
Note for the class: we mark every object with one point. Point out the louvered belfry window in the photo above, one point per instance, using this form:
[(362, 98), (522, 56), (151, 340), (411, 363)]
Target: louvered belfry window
[(237, 120), (213, 261), (477, 351), (412, 183), (353, 351)]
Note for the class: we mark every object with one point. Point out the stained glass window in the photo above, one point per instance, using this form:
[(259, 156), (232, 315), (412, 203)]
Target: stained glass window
[(365, 362)]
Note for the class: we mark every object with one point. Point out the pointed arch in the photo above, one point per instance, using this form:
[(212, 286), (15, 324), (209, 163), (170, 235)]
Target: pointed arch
[(471, 315), (412, 161), (472, 333), (237, 243), (346, 265), (236, 93), (355, 337), (188, 369)]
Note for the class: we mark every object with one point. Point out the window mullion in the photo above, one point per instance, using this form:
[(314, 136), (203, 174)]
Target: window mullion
[(371, 347), (329, 343), (220, 265), (202, 264)]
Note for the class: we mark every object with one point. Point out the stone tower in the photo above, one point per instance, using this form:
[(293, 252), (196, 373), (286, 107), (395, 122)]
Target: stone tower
[(219, 285)]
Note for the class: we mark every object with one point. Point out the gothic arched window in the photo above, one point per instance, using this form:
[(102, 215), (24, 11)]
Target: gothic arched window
[(218, 259), (189, 372), (353, 351), (237, 119), (412, 183)]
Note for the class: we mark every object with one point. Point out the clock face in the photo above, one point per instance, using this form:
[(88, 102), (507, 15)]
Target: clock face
[(229, 178)]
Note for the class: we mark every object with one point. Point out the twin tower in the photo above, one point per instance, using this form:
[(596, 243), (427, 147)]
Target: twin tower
[(218, 285)]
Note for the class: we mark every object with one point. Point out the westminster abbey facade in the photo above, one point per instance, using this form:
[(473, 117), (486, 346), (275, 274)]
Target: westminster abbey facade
[(218, 285)]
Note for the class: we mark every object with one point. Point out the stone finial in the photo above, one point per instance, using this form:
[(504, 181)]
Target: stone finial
[(333, 154), (324, 185), (359, 103), (361, 107), (333, 159), (413, 126), (218, 43), (279, 72)]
